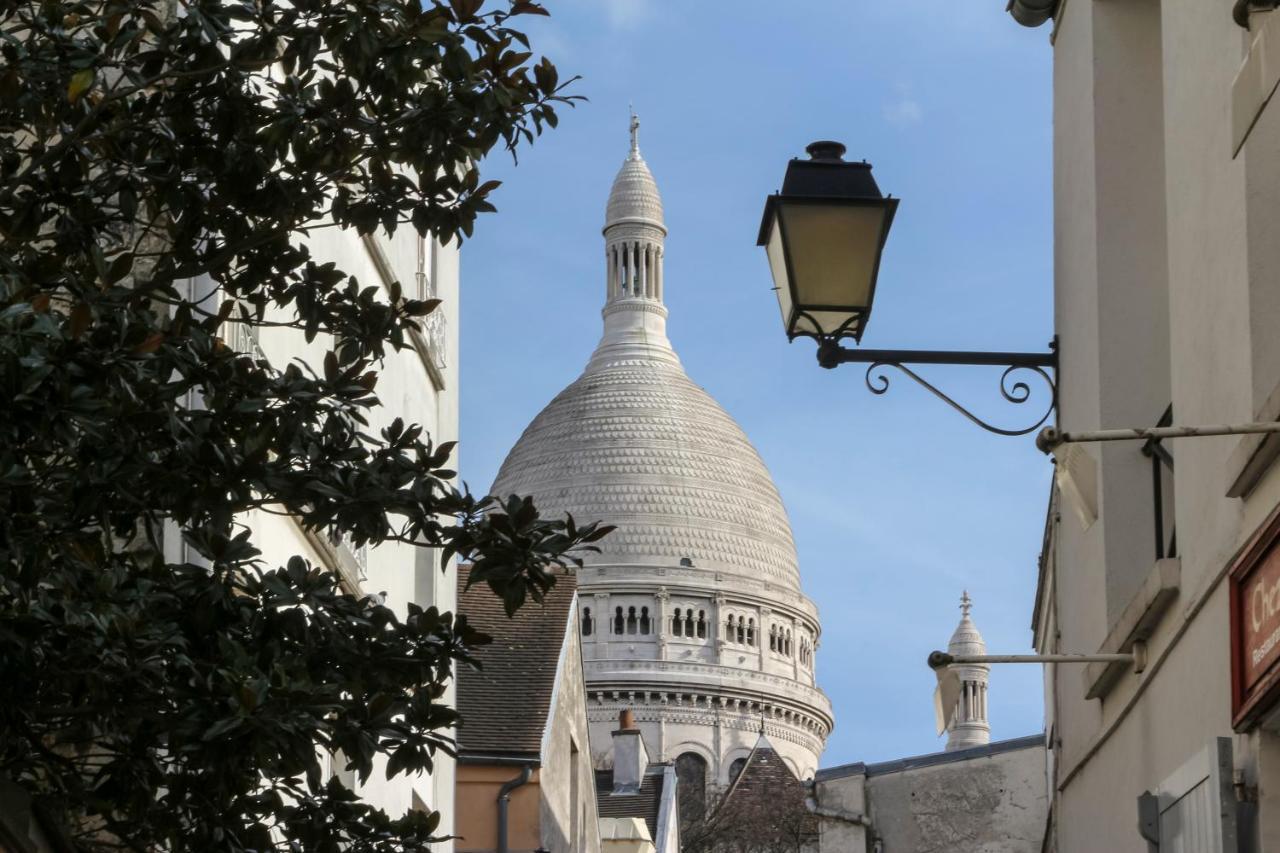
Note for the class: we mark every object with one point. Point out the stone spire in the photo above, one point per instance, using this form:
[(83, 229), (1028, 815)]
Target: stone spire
[(969, 726), (634, 237)]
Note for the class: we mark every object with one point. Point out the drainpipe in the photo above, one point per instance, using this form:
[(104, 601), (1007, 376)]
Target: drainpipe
[(504, 801)]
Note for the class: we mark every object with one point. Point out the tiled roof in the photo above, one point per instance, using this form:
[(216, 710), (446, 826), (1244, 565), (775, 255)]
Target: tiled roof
[(765, 804), (644, 804), (505, 705)]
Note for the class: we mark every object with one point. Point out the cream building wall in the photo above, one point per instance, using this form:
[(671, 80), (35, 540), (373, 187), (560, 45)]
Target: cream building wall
[(569, 821), (1165, 293), (420, 385)]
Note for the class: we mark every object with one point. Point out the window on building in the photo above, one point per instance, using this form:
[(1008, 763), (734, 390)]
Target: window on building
[(773, 638), (702, 624), (644, 620), (751, 632), (742, 629), (631, 620), (735, 769), (730, 629), (691, 787), (677, 624), (688, 622), (619, 623), (586, 622)]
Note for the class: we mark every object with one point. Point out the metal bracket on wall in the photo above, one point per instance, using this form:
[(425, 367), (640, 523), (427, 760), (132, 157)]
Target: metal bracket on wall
[(831, 354), (1138, 657), (1051, 439)]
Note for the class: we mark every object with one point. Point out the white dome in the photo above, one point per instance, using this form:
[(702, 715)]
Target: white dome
[(633, 442), (634, 198), (966, 639)]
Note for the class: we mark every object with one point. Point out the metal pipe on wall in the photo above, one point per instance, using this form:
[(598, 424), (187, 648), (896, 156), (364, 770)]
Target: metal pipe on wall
[(504, 802)]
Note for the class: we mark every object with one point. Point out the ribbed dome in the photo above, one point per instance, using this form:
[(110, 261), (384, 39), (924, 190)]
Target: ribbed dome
[(634, 197), (634, 442), (966, 640)]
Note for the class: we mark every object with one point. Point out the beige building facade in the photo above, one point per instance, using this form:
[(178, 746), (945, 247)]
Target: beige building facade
[(1167, 301), (524, 776), (418, 384)]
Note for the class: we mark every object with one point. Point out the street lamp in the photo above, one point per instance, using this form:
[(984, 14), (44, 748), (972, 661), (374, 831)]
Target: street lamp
[(824, 234)]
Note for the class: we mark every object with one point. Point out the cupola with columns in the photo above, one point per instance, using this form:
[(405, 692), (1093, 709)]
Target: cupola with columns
[(969, 726)]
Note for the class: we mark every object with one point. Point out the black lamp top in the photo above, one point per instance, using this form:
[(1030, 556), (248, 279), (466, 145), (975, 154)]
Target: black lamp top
[(825, 149), (828, 174)]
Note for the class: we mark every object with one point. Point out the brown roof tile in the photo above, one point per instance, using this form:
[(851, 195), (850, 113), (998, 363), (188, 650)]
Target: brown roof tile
[(505, 705)]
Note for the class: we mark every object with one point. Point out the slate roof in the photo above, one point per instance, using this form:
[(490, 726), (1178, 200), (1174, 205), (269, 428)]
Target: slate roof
[(505, 705), (911, 763), (644, 804), (765, 805)]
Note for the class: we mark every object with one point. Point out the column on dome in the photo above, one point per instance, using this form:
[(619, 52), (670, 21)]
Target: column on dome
[(662, 619), (643, 252), (717, 627)]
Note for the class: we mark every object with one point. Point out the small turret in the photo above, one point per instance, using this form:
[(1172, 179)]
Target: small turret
[(635, 318), (969, 725)]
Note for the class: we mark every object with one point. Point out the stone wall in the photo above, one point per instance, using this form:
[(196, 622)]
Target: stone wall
[(989, 799)]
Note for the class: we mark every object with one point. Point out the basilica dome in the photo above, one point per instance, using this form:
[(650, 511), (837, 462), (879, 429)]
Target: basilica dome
[(633, 442), (692, 614)]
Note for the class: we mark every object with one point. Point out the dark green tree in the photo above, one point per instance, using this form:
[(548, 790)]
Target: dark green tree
[(153, 705)]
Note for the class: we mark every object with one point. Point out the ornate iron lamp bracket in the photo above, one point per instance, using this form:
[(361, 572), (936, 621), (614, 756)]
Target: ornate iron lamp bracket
[(831, 354)]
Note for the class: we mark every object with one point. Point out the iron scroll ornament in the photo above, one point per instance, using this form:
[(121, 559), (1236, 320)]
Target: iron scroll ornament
[(1018, 393), (831, 354)]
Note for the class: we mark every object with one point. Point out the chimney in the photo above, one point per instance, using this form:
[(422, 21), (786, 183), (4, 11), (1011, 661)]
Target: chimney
[(630, 759)]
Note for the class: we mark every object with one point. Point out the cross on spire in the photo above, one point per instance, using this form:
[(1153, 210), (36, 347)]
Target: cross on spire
[(966, 603), (635, 131)]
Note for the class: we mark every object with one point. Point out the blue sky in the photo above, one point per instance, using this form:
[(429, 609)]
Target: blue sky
[(896, 502)]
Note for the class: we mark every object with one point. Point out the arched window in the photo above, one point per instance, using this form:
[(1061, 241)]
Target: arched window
[(618, 622), (677, 624), (691, 787), (751, 632), (644, 620), (702, 624), (742, 630), (788, 650), (631, 620), (773, 638), (730, 631), (688, 622), (735, 769), (586, 622)]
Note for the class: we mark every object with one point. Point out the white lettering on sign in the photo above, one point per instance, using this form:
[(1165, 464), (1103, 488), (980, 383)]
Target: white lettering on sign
[(1264, 603), (1258, 619)]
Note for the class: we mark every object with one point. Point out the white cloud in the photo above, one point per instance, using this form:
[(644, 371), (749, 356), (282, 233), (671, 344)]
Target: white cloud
[(627, 14), (904, 110)]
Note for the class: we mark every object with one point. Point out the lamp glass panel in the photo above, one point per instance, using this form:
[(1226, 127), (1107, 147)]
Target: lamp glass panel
[(834, 249), (778, 266)]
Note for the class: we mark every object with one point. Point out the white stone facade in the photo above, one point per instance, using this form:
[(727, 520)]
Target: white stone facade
[(692, 614), (420, 385)]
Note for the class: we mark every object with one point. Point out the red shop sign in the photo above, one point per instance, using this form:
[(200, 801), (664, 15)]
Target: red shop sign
[(1255, 625)]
